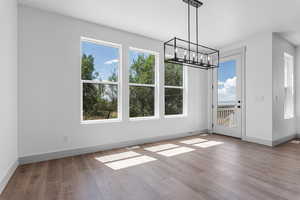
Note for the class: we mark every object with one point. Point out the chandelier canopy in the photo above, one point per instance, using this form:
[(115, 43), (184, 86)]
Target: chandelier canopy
[(185, 52)]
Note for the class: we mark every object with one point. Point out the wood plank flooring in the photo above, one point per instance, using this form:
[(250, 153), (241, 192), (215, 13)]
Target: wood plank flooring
[(232, 170)]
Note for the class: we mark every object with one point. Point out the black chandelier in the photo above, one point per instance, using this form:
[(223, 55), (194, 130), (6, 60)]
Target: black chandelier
[(185, 52)]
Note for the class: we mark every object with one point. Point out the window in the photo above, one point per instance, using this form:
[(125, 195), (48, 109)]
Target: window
[(100, 82), (174, 89), (143, 85), (288, 86)]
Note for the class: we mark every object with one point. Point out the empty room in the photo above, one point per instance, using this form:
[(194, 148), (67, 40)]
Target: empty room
[(150, 100)]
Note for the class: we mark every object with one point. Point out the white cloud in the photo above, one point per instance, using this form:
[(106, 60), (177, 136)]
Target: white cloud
[(227, 90), (109, 62)]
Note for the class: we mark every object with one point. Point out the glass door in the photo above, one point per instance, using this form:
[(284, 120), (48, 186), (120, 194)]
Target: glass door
[(227, 97)]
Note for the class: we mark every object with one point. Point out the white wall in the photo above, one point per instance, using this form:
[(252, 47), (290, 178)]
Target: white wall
[(8, 88), (258, 86), (282, 128), (49, 90)]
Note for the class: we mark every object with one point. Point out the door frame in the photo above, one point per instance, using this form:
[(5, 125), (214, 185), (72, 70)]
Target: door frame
[(226, 53)]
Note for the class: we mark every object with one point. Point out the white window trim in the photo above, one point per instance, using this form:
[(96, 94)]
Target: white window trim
[(185, 99), (289, 57), (155, 85), (119, 82)]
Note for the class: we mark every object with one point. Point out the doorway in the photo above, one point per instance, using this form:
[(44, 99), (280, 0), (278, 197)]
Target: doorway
[(228, 90)]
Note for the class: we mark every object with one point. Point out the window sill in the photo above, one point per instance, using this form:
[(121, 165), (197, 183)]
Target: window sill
[(104, 121), (289, 118), (143, 118), (175, 116)]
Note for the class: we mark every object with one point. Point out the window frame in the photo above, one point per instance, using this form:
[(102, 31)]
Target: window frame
[(118, 83), (155, 85), (289, 58), (184, 93)]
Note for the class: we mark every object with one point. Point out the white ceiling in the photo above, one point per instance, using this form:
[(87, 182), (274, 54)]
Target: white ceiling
[(221, 21)]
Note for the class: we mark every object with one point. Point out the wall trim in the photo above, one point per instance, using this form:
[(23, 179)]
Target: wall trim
[(284, 140), (258, 141), (11, 170), (93, 149)]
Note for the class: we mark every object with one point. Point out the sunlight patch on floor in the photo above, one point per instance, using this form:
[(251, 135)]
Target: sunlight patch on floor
[(208, 144), (130, 162), (117, 156), (295, 142), (161, 147), (193, 141), (176, 151), (203, 135)]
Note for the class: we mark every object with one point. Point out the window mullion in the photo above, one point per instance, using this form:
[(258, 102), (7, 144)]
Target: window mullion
[(141, 85), (174, 87), (100, 82)]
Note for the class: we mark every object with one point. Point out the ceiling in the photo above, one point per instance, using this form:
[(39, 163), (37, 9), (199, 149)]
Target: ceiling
[(221, 21)]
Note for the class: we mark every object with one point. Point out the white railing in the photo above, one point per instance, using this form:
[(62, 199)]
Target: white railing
[(226, 115)]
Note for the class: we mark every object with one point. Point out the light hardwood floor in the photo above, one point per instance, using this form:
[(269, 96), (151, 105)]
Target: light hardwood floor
[(232, 170)]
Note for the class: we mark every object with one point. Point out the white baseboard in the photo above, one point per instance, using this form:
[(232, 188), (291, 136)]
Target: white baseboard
[(258, 141), (74, 152), (8, 175), (284, 140), (270, 143)]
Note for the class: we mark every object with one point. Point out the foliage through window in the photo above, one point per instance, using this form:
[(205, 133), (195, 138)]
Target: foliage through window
[(99, 78), (142, 83), (174, 89)]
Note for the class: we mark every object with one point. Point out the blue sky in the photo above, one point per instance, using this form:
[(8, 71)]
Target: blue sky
[(226, 70), (106, 59), (227, 82)]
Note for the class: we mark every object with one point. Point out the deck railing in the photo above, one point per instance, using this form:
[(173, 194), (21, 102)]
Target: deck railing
[(226, 115)]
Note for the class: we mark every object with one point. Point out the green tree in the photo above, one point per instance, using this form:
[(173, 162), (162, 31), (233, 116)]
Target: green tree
[(142, 98), (142, 70), (87, 68), (99, 100), (173, 96)]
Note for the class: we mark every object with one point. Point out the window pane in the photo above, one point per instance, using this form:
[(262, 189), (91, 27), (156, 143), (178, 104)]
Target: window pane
[(226, 112), (100, 101), (173, 101), (173, 74), (141, 101), (142, 67), (99, 62), (288, 86)]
